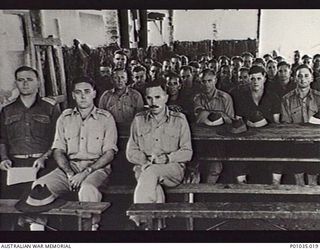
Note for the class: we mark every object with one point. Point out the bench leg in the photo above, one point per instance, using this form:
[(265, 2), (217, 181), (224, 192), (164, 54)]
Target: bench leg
[(84, 223), (190, 221)]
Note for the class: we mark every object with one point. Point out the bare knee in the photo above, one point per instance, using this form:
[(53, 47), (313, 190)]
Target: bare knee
[(89, 192)]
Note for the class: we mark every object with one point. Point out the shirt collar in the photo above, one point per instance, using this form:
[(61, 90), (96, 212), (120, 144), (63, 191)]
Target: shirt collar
[(38, 99), (93, 113), (309, 95), (126, 92), (149, 115)]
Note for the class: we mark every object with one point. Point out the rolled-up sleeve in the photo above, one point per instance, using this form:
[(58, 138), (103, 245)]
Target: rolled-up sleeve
[(184, 153), (111, 136), (59, 141), (133, 152)]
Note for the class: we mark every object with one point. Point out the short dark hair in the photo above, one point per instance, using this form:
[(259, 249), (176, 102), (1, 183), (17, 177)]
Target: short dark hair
[(237, 58), (194, 64), (176, 56), (159, 82), (303, 66), (26, 68), (306, 56), (119, 69), (244, 69), (213, 60), (86, 79), (138, 68), (257, 69), (207, 72), (283, 63), (156, 64), (186, 67), (120, 52), (259, 60), (171, 75), (247, 54), (271, 61), (315, 56)]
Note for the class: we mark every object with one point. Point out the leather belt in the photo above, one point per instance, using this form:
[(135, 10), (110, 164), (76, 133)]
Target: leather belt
[(28, 156)]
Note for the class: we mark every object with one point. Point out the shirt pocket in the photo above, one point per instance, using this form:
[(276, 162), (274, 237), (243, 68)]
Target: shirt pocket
[(72, 141), (41, 126), (170, 140), (14, 126), (95, 141), (296, 113), (145, 139)]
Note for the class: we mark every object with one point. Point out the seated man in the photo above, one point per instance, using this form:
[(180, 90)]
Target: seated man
[(139, 78), (212, 100), (121, 101), (83, 147), (297, 107), (251, 101), (159, 146), (27, 131)]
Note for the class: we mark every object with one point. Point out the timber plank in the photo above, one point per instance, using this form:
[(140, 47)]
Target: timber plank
[(229, 210)]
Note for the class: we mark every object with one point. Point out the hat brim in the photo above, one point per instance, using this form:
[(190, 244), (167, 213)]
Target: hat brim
[(227, 130), (22, 206), (315, 121), (214, 123), (257, 124)]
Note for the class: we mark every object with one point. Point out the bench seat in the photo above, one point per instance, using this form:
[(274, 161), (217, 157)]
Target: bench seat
[(83, 210), (227, 210)]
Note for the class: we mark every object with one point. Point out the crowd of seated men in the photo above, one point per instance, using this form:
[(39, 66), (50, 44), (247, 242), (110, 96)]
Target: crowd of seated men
[(158, 100)]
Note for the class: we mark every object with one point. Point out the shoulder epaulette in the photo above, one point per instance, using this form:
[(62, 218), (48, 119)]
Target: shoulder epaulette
[(141, 113), (103, 112), (49, 100), (316, 92), (67, 112), (176, 114)]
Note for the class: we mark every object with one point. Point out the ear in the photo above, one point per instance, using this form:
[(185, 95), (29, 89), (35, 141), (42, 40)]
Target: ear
[(166, 97), (73, 96)]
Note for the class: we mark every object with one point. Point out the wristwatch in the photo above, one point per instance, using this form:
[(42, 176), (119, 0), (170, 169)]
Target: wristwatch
[(89, 170)]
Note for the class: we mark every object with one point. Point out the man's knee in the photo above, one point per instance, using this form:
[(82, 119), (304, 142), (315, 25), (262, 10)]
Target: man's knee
[(89, 192)]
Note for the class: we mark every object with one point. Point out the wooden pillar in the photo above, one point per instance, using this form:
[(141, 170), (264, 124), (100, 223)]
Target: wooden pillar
[(143, 35), (258, 31), (124, 29), (170, 17)]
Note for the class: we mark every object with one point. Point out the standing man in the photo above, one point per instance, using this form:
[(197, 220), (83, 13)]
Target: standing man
[(104, 80), (296, 63), (159, 146), (211, 100), (175, 64), (84, 146), (297, 107), (121, 101), (27, 131), (247, 59), (155, 71)]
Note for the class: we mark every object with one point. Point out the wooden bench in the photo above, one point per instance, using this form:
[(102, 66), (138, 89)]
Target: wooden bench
[(226, 210), (225, 189), (191, 189), (83, 210)]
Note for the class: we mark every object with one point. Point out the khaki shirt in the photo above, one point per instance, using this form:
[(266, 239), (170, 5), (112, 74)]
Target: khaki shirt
[(124, 107), (220, 101), (297, 110), (85, 139), (170, 136)]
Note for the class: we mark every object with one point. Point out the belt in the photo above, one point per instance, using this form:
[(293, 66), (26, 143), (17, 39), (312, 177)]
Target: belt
[(28, 156)]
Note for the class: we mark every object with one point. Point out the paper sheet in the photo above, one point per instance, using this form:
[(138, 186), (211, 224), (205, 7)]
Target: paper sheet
[(20, 175)]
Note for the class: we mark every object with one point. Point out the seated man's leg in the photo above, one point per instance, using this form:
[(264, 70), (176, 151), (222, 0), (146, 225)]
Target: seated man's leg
[(89, 191), (312, 171), (148, 189), (214, 170)]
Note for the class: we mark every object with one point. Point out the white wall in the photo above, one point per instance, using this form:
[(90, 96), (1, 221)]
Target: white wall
[(154, 36), (288, 30), (197, 25), (88, 26)]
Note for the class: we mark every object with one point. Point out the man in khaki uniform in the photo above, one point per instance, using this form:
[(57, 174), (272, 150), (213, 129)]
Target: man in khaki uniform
[(212, 100), (159, 146), (83, 147), (121, 101), (297, 107)]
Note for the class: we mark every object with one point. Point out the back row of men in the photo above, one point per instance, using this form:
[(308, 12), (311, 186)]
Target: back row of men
[(83, 140)]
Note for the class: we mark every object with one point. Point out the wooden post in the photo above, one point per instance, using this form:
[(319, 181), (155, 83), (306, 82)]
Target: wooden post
[(258, 31), (124, 29), (143, 35), (39, 68), (170, 17)]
